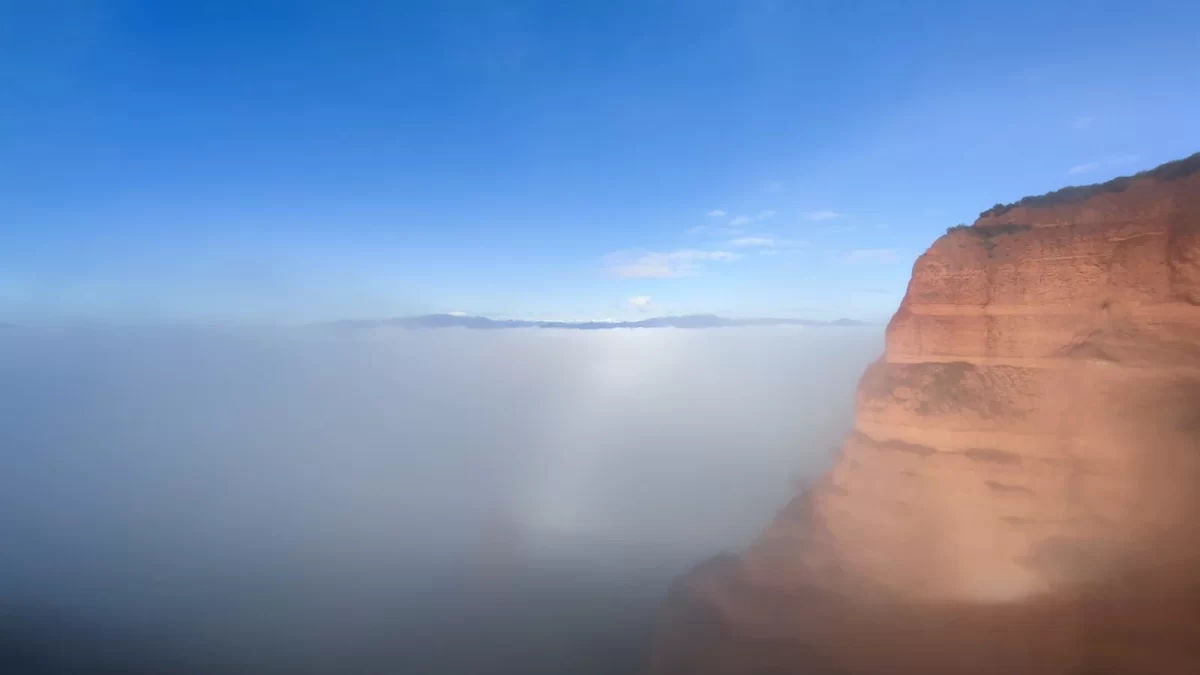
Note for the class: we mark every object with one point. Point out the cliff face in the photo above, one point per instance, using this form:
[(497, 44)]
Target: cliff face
[(1024, 472)]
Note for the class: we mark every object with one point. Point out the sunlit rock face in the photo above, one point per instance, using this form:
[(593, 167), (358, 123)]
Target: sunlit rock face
[(1027, 447)]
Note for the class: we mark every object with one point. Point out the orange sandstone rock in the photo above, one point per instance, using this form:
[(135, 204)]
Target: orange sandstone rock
[(1024, 472)]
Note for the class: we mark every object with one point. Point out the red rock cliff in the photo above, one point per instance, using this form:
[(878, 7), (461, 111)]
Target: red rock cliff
[(1021, 492)]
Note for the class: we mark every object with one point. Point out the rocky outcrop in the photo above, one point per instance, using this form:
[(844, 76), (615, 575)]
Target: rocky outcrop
[(1021, 490)]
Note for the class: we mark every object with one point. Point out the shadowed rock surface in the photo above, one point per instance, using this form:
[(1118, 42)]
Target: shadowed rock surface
[(1020, 492)]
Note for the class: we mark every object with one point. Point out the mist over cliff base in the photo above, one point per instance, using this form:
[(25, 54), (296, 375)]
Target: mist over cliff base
[(212, 500), (1019, 493)]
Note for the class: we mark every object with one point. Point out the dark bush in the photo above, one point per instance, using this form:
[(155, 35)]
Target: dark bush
[(1177, 169), (989, 231)]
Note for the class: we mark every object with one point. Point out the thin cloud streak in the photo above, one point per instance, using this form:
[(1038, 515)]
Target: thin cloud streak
[(765, 241), (823, 215), (1117, 160), (655, 265), (747, 242)]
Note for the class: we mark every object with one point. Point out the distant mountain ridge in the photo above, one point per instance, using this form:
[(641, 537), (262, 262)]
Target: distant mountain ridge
[(693, 321)]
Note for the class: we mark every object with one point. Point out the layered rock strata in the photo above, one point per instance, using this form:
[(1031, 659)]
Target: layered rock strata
[(1023, 478)]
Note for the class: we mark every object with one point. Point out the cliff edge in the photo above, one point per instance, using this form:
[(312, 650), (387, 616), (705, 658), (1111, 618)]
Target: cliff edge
[(1022, 486)]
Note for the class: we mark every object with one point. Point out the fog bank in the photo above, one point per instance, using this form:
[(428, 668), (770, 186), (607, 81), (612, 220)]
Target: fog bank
[(248, 486)]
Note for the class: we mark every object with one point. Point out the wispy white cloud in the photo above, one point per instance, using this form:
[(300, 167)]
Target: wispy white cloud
[(766, 241), (823, 215), (1116, 160), (774, 186), (690, 254), (871, 255), (1083, 168), (737, 225), (747, 242), (714, 229), (718, 213), (642, 302), (653, 265)]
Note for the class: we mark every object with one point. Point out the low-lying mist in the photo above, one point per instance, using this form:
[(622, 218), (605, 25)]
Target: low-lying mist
[(441, 501)]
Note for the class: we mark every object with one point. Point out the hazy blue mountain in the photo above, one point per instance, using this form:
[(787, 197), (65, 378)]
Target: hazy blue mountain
[(693, 321)]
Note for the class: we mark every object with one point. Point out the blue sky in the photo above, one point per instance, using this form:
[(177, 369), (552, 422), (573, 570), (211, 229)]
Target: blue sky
[(291, 161)]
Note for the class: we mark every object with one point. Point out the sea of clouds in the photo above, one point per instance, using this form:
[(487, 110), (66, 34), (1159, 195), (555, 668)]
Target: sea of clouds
[(246, 485)]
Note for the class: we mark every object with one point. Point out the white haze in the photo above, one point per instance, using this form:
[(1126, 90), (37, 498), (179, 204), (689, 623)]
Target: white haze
[(151, 475)]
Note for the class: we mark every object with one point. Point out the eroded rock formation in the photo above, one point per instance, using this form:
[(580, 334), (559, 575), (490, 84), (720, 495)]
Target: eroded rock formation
[(1021, 492)]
